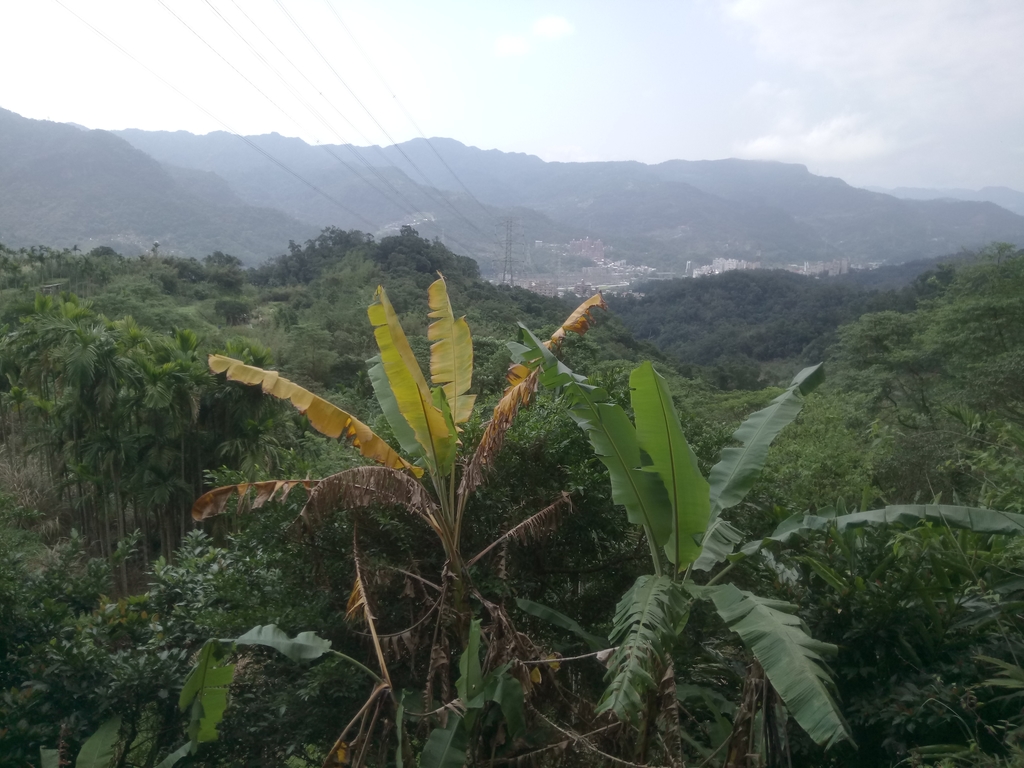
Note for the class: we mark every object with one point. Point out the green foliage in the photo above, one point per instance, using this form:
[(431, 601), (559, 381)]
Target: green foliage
[(98, 750), (736, 324), (550, 615), (661, 440), (305, 646), (920, 601), (792, 659), (615, 442), (205, 693), (735, 473), (968, 518), (446, 747), (647, 619)]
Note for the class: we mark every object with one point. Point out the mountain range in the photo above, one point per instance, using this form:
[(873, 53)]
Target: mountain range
[(63, 185), (1010, 199)]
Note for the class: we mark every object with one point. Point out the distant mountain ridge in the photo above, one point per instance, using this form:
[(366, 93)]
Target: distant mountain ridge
[(1010, 199), (780, 209), (64, 185), (61, 185)]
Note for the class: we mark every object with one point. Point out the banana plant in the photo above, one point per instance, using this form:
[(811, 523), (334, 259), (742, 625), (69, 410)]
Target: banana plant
[(654, 475), (431, 477)]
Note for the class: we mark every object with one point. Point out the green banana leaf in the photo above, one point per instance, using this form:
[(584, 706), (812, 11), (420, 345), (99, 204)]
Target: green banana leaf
[(206, 691), (792, 660), (613, 439), (446, 747), (661, 437), (172, 759), (647, 617), (305, 646), (470, 677), (973, 519), (98, 750), (550, 615), (734, 475)]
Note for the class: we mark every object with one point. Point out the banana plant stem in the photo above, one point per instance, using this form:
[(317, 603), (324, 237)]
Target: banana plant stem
[(356, 664)]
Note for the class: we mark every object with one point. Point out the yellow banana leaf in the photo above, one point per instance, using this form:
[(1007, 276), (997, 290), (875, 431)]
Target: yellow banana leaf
[(325, 417), (522, 386), (579, 321), (215, 502), (413, 396), (451, 354), (517, 373)]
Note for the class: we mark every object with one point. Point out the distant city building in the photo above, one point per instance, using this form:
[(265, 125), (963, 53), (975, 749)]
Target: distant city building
[(587, 247), (583, 288), (718, 266), (543, 287)]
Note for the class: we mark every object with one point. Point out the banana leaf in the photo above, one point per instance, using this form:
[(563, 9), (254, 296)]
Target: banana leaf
[(792, 660), (734, 475), (661, 438)]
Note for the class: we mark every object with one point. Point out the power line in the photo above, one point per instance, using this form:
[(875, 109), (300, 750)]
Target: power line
[(401, 106), (410, 208), (263, 93), (429, 186), (216, 119)]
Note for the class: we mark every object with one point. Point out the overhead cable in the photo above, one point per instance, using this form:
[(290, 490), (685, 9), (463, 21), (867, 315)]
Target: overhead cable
[(401, 106), (441, 197), (223, 124), (409, 207)]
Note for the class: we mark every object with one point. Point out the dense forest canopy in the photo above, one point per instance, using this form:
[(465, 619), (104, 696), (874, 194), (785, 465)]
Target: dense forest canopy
[(875, 547)]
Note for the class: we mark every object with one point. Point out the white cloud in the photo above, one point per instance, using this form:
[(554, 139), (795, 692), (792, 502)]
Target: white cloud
[(511, 45), (923, 90), (841, 139), (928, 50), (553, 27)]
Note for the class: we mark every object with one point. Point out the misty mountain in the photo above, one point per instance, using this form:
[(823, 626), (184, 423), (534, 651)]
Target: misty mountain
[(344, 186), (61, 185), (1010, 199), (780, 209)]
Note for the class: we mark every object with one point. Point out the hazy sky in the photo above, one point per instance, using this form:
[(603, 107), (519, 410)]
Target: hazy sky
[(879, 92)]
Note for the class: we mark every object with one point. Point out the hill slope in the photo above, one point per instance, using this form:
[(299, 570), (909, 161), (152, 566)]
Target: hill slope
[(63, 186), (1010, 199), (781, 209), (194, 194)]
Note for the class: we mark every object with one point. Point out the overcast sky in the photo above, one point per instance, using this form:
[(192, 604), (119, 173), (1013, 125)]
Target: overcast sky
[(878, 92)]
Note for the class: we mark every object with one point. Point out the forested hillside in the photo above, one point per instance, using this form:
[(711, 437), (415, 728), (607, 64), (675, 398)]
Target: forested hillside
[(581, 558), (65, 186), (250, 196), (751, 328), (678, 210)]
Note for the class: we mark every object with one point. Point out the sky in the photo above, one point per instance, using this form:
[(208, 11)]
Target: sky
[(878, 92)]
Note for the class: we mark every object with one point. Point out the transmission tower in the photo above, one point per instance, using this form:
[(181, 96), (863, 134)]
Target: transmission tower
[(510, 240)]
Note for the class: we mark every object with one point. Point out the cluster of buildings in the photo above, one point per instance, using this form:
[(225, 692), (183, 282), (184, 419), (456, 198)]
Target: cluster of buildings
[(718, 266), (830, 268), (812, 268), (593, 249), (582, 268)]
